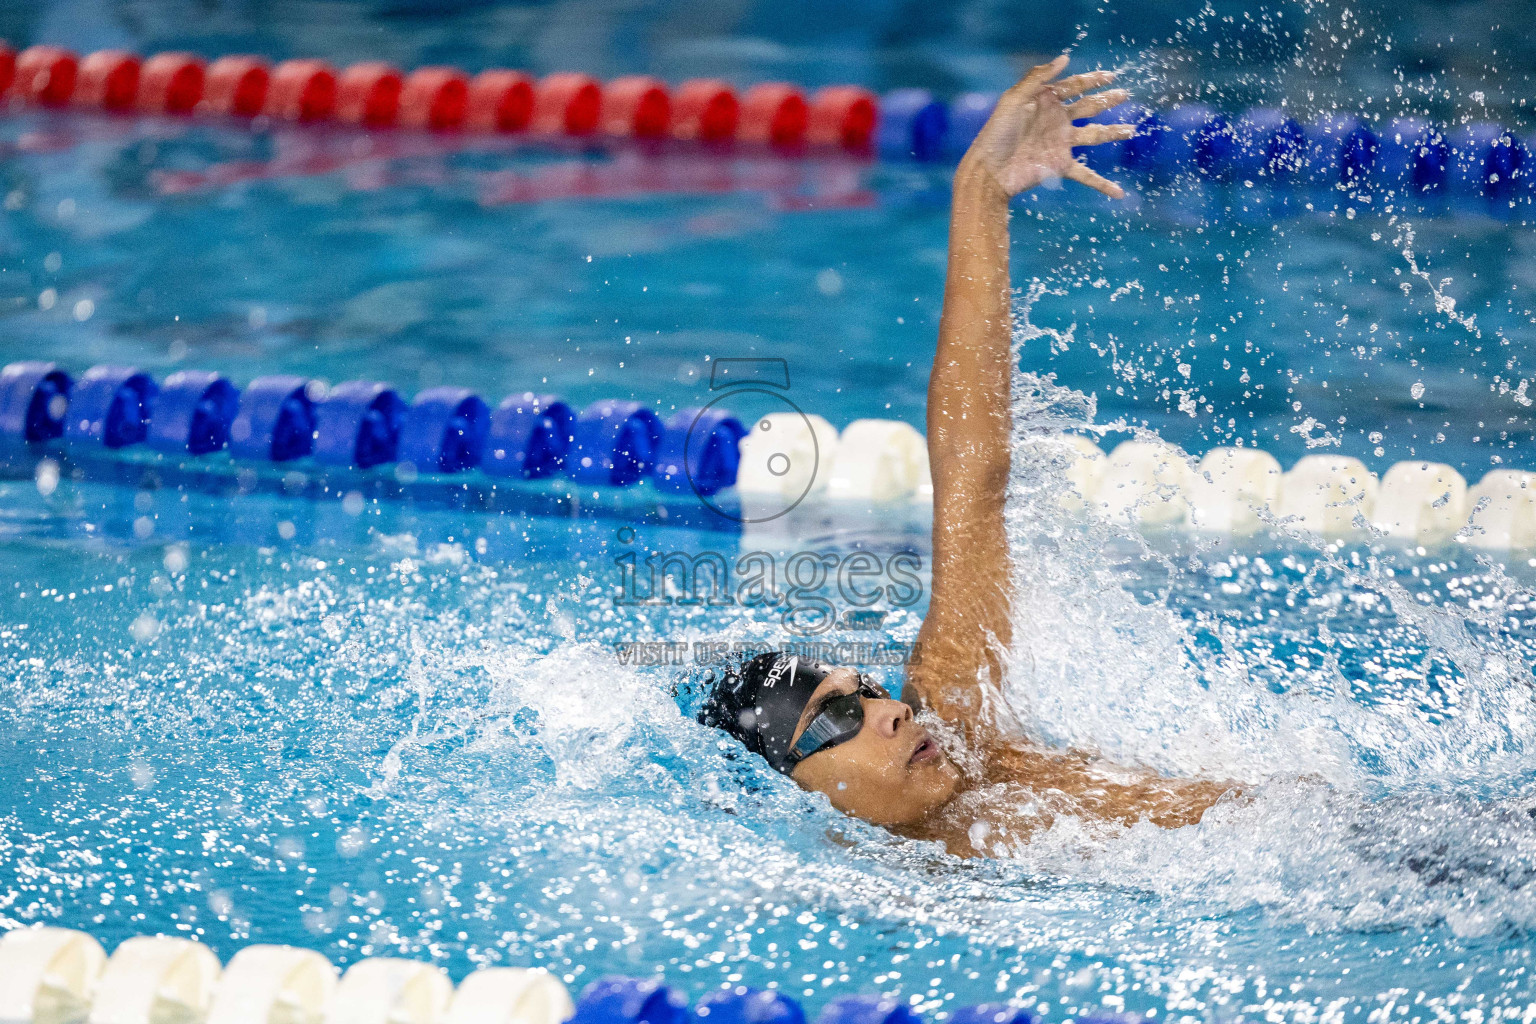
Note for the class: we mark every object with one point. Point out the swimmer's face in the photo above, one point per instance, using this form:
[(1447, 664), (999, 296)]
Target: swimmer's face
[(891, 773)]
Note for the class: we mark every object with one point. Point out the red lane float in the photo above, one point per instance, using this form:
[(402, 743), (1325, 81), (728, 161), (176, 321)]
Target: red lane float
[(705, 110), (236, 86), (500, 101), (108, 80), (368, 94), (171, 83), (376, 95), (773, 114), (567, 103), (302, 90), (636, 106), (435, 98), (841, 116), (46, 75)]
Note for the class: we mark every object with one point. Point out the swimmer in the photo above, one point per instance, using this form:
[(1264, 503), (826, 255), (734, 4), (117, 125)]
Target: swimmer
[(832, 729)]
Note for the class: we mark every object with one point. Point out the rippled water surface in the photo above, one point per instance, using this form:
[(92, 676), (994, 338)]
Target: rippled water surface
[(411, 729)]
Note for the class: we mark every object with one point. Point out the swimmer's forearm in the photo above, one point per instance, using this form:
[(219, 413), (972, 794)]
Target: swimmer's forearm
[(968, 407)]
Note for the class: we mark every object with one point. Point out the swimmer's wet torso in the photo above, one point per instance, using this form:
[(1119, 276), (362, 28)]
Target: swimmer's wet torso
[(829, 729)]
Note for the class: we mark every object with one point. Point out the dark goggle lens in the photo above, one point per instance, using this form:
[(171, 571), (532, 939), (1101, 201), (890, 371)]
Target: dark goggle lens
[(838, 721)]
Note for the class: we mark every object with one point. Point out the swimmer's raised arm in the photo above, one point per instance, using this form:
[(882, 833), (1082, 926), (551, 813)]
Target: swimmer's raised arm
[(1028, 140)]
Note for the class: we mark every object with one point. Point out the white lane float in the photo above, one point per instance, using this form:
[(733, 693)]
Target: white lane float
[(1424, 502), (48, 975), (508, 995), (156, 979), (877, 461), (1144, 482), (388, 990), (1324, 494), (1233, 489), (274, 985), (1502, 511), (1084, 469), (785, 453)]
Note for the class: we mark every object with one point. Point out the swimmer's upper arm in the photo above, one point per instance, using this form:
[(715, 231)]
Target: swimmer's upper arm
[(968, 626)]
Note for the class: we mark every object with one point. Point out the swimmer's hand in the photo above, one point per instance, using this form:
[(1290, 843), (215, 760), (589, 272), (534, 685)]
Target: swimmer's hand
[(1029, 137)]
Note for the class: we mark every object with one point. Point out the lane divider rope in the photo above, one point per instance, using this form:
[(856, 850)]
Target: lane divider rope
[(376, 95), (51, 975), (1260, 144), (782, 458)]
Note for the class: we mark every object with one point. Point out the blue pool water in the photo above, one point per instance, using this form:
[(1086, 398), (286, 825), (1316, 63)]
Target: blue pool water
[(407, 730)]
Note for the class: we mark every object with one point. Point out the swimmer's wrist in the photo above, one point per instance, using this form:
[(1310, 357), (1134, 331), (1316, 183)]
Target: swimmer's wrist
[(976, 182)]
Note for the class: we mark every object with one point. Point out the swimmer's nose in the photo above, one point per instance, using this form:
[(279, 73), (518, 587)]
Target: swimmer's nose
[(887, 716)]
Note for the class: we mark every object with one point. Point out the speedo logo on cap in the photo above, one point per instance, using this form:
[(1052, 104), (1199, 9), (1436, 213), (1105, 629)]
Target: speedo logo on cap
[(780, 668)]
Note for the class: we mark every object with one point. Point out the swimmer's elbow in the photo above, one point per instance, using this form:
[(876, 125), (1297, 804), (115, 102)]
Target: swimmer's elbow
[(983, 474)]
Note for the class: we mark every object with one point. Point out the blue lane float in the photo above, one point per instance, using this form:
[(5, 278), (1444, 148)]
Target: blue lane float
[(912, 125), (1342, 150), (110, 406), (967, 113), (275, 421), (529, 436), (614, 443), (444, 430), (1142, 151), (1414, 155), (1335, 150), (34, 398), (1488, 160), (1269, 144), (357, 424), (630, 1001), (1199, 138), (700, 451), (740, 1004), (994, 1013), (192, 413), (868, 1010), (361, 425)]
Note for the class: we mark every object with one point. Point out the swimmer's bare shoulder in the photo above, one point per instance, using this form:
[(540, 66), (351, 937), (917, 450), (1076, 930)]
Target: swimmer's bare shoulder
[(1101, 789), (1024, 789)]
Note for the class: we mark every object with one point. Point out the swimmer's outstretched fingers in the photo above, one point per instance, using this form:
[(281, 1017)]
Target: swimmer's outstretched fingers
[(1030, 136)]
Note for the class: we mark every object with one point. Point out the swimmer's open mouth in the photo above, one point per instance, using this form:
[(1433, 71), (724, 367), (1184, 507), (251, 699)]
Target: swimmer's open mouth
[(926, 751)]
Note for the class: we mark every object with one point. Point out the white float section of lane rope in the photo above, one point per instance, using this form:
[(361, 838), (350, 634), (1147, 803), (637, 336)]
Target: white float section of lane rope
[(784, 453), (1144, 482), (1084, 472), (1150, 483), (48, 975), (387, 990), (1324, 494), (155, 979), (1421, 501), (1502, 511), (1233, 490), (274, 983), (877, 460), (508, 995)]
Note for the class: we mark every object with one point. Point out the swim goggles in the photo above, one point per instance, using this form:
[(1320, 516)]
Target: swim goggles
[(838, 720)]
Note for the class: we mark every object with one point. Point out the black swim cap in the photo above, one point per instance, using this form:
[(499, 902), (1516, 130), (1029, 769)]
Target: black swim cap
[(760, 701)]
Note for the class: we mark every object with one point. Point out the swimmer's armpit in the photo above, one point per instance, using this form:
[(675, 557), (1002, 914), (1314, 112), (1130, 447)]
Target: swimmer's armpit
[(1030, 135)]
